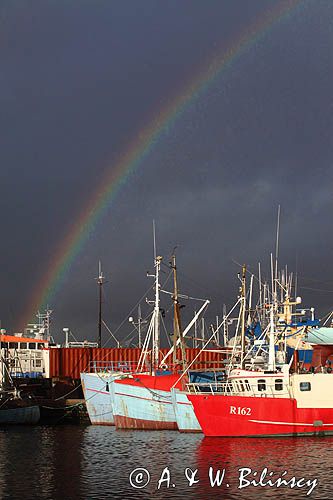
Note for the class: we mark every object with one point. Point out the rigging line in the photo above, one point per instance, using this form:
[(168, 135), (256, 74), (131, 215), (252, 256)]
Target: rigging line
[(134, 329), (101, 414), (106, 355), (304, 278), (108, 329), (68, 393), (319, 336), (165, 331), (182, 296), (156, 394), (194, 282), (207, 342), (316, 289), (92, 396), (134, 307), (139, 301), (129, 338), (6, 401), (126, 318), (300, 330), (167, 278), (72, 335), (254, 277), (62, 407), (327, 315)]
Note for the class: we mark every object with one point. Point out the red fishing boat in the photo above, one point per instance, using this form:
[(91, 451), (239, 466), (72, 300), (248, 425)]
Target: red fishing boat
[(276, 398), (267, 403)]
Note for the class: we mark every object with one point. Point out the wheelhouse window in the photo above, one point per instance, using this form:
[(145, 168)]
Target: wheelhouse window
[(32, 345), (261, 385), (305, 386), (12, 345), (247, 385), (23, 345), (241, 386), (278, 384)]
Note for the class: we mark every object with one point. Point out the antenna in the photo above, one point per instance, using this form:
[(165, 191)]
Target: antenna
[(154, 238), (260, 292), (277, 246), (243, 306)]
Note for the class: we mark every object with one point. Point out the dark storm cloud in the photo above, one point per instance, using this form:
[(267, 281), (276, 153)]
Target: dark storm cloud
[(80, 80)]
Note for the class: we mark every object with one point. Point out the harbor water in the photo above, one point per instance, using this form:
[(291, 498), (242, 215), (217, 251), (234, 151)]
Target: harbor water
[(96, 462)]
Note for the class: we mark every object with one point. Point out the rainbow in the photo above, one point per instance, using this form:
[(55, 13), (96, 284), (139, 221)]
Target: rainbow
[(137, 151)]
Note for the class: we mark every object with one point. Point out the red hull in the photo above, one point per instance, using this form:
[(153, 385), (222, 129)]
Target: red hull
[(233, 416), (106, 424), (137, 423), (153, 382)]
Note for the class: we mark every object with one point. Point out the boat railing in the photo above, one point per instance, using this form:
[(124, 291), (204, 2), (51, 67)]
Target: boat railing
[(228, 388), (113, 366), (211, 387)]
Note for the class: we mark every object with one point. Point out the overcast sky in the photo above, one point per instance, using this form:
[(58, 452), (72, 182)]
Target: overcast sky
[(79, 80)]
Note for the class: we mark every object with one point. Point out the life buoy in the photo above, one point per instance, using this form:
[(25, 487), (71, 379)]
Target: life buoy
[(164, 367)]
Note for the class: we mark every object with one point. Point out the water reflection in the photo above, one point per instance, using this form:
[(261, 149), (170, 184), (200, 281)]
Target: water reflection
[(300, 457), (94, 462), (40, 462)]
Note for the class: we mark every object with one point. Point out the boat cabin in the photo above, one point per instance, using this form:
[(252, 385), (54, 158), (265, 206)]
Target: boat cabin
[(258, 384), (25, 356)]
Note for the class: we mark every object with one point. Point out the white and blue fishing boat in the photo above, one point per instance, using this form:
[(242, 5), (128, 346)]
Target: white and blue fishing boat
[(144, 401), (184, 412), (96, 388), (96, 383), (185, 416)]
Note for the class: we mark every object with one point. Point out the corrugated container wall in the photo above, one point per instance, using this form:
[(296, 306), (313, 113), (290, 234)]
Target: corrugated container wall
[(70, 362)]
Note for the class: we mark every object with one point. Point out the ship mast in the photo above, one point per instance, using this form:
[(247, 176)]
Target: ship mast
[(156, 331), (243, 306), (100, 282), (177, 329)]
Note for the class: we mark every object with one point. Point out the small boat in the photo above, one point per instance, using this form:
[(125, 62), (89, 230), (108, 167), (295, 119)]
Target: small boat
[(14, 409), (18, 411)]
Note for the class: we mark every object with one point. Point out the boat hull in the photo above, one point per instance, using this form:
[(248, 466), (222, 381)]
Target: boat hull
[(26, 415), (233, 416), (97, 393), (144, 402), (185, 416)]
